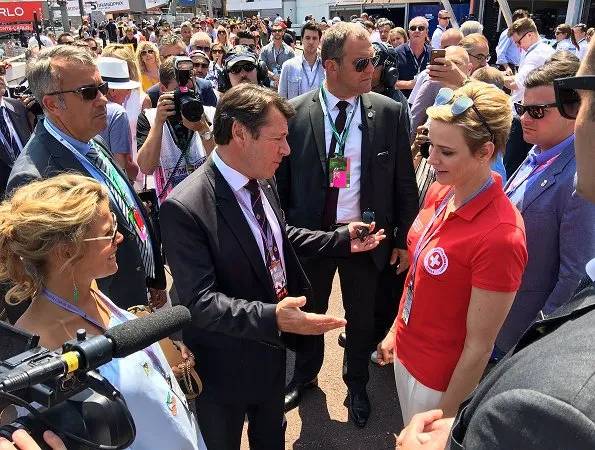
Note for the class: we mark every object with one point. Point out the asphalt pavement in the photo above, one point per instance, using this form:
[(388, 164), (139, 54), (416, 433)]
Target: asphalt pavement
[(322, 421)]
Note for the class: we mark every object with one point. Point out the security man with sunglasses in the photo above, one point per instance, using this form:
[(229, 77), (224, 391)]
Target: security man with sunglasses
[(413, 57), (65, 80), (350, 159), (558, 223)]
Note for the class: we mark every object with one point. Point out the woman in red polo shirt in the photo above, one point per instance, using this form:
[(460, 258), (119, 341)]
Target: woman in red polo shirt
[(467, 252)]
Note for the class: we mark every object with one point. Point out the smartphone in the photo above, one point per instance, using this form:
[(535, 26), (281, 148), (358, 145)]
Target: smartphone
[(437, 53)]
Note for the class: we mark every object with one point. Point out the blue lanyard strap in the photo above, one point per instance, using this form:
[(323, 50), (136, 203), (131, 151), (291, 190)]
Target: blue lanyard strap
[(64, 304), (423, 241), (314, 70), (340, 138)]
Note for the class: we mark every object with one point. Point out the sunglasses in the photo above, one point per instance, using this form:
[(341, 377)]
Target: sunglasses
[(417, 28), (218, 51), (203, 49), (111, 238), (278, 30), (252, 46), (93, 49), (245, 67), (87, 92), (201, 65), (567, 98), (361, 64), (221, 32), (534, 111), (147, 52), (460, 105), (481, 57)]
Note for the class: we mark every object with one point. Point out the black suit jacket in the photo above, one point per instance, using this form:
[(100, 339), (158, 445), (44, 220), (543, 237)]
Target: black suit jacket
[(45, 157), (542, 395), (17, 114), (387, 183), (221, 277)]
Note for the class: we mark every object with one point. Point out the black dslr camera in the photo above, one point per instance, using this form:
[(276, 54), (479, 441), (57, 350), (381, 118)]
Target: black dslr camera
[(187, 101), (25, 91)]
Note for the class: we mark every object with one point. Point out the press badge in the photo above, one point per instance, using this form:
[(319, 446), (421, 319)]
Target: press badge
[(278, 277), (339, 176), (408, 302)]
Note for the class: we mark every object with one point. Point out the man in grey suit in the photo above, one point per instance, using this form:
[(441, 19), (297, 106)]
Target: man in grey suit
[(558, 222), (350, 157), (541, 395), (65, 80)]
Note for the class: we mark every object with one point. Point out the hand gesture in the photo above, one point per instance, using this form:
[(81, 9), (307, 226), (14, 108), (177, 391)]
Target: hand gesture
[(386, 349), (369, 242), (291, 319), (165, 108), (25, 442), (158, 298), (426, 430), (446, 72), (402, 256)]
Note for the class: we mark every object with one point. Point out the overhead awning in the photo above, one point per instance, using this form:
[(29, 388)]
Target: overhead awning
[(374, 3)]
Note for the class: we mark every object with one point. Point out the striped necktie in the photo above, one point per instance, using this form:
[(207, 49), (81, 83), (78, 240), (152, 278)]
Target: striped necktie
[(115, 183), (8, 142)]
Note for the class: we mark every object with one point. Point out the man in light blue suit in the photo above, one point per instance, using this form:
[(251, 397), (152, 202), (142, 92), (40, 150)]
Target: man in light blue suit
[(558, 223)]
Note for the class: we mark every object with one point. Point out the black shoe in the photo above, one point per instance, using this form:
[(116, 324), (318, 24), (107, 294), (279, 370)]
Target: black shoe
[(342, 339), (293, 392), (359, 408)]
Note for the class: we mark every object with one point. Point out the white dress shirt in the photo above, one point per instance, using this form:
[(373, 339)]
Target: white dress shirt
[(534, 57), (11, 127), (237, 182), (437, 36), (583, 46), (348, 205)]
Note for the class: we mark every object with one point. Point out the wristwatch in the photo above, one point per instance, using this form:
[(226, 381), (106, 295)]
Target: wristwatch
[(206, 136)]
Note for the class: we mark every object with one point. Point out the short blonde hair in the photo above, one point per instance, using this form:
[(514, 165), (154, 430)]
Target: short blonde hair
[(139, 59), (398, 30), (494, 106), (522, 26), (40, 216), (125, 53)]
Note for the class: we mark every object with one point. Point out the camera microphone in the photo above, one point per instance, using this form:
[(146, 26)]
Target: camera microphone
[(88, 354)]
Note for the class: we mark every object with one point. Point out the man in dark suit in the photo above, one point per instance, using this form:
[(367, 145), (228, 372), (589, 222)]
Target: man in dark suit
[(540, 396), (66, 82), (234, 263), (378, 164), (14, 130)]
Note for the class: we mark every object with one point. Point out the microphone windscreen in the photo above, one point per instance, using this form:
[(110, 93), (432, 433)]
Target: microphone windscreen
[(134, 335)]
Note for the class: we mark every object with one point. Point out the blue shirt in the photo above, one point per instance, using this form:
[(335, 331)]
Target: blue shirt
[(117, 134), (506, 51), (535, 163), (409, 66)]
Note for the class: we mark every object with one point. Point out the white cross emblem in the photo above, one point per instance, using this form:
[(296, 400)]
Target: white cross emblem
[(436, 261)]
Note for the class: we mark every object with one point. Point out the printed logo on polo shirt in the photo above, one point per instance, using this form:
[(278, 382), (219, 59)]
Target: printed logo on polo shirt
[(417, 225), (436, 261)]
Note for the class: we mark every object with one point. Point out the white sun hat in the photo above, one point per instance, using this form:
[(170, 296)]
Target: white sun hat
[(115, 72)]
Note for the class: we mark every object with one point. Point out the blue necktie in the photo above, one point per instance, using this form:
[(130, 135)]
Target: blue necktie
[(8, 143)]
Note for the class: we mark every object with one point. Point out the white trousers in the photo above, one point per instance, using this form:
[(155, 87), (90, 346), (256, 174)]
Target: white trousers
[(414, 397)]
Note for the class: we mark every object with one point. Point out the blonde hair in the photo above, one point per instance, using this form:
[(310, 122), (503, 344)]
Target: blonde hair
[(494, 106), (398, 30), (125, 53), (139, 59), (40, 216), (522, 26)]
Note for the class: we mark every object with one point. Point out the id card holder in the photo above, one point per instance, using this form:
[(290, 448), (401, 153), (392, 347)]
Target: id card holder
[(139, 223), (278, 277), (339, 175), (408, 302)]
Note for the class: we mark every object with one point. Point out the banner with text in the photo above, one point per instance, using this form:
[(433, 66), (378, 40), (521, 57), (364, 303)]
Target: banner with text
[(149, 4), (11, 12), (104, 6)]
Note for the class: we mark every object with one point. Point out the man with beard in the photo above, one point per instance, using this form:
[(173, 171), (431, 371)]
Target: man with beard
[(305, 72), (241, 65)]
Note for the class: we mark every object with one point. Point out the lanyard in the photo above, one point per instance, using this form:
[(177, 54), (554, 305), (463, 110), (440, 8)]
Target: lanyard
[(423, 241), (417, 63), (313, 70), (59, 301), (278, 53), (112, 177), (525, 174), (340, 138)]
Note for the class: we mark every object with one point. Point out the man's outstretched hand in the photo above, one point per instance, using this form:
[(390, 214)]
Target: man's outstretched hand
[(291, 319), (370, 242)]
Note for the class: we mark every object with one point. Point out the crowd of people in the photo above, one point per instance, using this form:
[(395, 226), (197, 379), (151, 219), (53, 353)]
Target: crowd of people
[(452, 197)]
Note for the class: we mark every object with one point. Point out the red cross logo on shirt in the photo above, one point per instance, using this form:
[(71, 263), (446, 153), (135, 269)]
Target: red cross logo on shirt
[(436, 261)]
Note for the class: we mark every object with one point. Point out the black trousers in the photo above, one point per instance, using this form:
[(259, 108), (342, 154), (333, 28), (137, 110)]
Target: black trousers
[(388, 296), (221, 423), (516, 148), (359, 276)]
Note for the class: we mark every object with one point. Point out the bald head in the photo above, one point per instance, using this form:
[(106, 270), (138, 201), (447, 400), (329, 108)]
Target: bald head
[(460, 57), (450, 37)]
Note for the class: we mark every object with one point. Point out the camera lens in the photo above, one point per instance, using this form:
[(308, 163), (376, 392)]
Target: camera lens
[(191, 108)]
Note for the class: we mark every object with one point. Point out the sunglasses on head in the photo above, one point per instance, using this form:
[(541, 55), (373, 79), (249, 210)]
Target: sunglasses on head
[(87, 92), (201, 65), (111, 238), (534, 111), (417, 28), (245, 67), (460, 105), (567, 97), (147, 52)]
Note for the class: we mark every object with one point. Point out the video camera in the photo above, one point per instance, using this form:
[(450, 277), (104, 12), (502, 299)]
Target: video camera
[(186, 100), (25, 91), (76, 402)]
